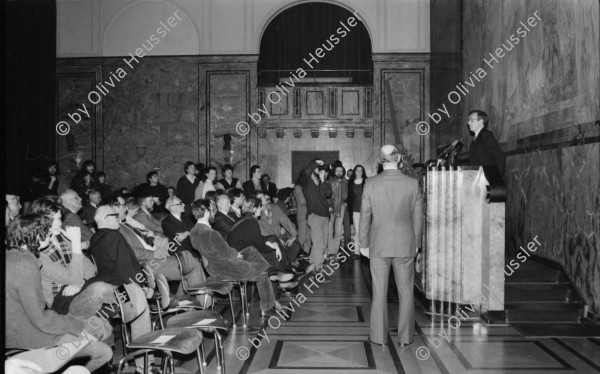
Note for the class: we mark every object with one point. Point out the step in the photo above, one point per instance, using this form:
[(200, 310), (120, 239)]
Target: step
[(560, 312), (536, 276), (540, 292)]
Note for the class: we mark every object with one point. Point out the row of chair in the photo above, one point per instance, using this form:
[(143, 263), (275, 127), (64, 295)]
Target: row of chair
[(183, 322)]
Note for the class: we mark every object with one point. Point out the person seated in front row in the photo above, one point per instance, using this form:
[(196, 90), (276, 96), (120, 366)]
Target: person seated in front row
[(225, 263), (246, 233), (223, 221), (29, 324), (158, 257), (64, 267), (273, 222)]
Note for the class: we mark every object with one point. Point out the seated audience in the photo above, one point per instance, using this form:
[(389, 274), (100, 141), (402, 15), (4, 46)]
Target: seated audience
[(145, 217), (175, 229), (224, 262), (268, 187), (29, 324), (253, 184), (88, 211), (285, 202), (272, 222), (71, 201), (115, 260), (228, 181), (153, 188), (223, 221), (85, 180), (246, 233), (236, 196), (148, 252), (64, 267), (13, 208), (51, 178), (207, 183), (104, 188)]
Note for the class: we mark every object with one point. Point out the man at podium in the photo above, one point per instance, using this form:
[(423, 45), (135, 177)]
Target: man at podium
[(484, 150)]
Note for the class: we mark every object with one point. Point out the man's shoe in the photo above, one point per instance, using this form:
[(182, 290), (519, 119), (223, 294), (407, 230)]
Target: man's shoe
[(288, 285), (266, 314), (402, 345), (382, 345), (309, 269), (281, 277), (151, 370)]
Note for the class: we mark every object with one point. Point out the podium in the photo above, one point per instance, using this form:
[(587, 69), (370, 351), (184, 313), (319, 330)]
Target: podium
[(463, 251)]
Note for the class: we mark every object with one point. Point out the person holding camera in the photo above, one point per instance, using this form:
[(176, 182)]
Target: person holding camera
[(317, 190)]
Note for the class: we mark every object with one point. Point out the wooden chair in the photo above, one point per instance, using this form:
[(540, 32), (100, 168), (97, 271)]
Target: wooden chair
[(187, 316), (181, 340)]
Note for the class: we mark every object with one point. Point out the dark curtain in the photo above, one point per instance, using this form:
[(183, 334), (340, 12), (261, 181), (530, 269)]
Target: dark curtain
[(30, 88), (299, 30)]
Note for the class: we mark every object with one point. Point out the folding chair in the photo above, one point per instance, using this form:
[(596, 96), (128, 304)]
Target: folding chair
[(181, 315), (221, 287), (181, 340)]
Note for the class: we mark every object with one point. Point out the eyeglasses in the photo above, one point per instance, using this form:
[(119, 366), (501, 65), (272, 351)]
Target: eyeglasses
[(119, 205), (112, 215)]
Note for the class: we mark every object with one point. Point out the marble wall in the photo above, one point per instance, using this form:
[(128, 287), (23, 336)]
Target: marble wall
[(543, 97)]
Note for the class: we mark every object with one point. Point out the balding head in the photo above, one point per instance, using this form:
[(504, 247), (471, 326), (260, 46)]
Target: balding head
[(107, 218), (389, 155), (71, 200)]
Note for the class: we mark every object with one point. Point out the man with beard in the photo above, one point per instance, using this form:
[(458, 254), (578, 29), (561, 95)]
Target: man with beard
[(337, 209), (224, 262), (153, 188), (145, 217)]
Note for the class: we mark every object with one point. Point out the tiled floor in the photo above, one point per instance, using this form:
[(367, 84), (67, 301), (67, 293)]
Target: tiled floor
[(328, 328)]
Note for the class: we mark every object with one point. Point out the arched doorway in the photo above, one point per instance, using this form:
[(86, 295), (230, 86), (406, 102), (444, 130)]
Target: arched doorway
[(295, 33)]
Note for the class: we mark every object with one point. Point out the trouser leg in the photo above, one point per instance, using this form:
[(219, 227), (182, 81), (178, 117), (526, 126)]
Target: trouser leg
[(404, 274), (380, 273)]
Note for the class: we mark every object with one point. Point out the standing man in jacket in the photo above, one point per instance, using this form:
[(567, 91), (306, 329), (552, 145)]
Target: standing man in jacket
[(391, 223)]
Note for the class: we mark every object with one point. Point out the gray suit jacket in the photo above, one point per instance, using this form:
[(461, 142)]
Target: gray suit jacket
[(391, 215)]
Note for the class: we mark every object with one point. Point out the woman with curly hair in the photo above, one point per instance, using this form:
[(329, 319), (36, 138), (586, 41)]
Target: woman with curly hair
[(29, 324)]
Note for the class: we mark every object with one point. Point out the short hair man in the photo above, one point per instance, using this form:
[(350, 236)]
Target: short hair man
[(145, 217), (88, 211), (253, 184), (224, 262), (391, 223), (223, 221), (236, 196), (186, 188), (484, 149), (228, 181), (153, 188), (175, 228), (72, 203)]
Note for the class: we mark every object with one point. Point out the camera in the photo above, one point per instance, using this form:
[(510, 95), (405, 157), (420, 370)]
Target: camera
[(327, 168)]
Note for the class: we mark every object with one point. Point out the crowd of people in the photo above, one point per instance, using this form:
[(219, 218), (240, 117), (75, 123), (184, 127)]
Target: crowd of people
[(68, 251)]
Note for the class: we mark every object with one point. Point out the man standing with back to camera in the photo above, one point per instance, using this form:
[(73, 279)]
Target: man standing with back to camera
[(391, 222)]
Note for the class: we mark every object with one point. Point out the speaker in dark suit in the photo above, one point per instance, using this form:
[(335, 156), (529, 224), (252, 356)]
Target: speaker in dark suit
[(484, 150)]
